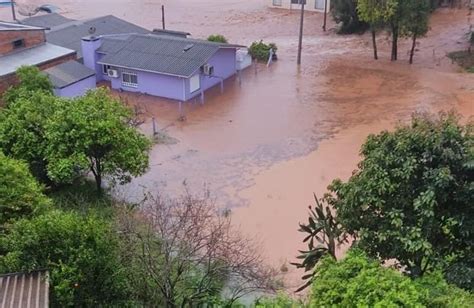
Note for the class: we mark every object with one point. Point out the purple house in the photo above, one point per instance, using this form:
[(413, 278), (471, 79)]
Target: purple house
[(168, 66), (71, 79)]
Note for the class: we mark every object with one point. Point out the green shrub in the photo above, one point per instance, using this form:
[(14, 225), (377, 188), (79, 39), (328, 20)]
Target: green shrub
[(80, 253), (20, 195), (358, 281), (218, 38), (261, 51)]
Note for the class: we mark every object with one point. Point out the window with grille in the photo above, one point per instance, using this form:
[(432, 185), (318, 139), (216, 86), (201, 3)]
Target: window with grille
[(130, 79)]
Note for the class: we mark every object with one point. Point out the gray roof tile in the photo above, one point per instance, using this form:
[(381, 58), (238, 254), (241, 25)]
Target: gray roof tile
[(159, 53), (46, 20), (69, 35), (68, 73)]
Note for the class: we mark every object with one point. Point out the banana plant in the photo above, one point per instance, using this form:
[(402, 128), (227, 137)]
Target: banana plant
[(323, 235)]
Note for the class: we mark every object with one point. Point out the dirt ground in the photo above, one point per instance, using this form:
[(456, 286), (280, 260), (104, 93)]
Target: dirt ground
[(265, 145)]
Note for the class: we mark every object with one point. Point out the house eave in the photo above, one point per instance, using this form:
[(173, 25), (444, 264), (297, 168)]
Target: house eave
[(143, 70)]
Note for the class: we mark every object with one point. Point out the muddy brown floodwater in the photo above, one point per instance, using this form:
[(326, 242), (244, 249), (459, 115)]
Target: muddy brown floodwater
[(265, 145)]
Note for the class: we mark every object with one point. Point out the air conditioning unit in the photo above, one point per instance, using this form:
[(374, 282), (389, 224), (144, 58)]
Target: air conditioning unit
[(208, 69), (112, 73)]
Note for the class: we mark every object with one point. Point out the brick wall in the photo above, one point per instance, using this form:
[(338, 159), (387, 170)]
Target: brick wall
[(9, 80), (30, 39)]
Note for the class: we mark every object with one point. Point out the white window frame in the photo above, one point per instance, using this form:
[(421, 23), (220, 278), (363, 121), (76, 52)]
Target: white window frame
[(105, 69), (129, 83), (195, 83)]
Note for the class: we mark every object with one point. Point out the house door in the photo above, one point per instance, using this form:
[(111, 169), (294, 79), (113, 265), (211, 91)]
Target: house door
[(319, 5)]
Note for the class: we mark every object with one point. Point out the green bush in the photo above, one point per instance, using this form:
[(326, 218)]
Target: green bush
[(261, 51), (20, 195), (80, 253), (357, 281), (218, 38)]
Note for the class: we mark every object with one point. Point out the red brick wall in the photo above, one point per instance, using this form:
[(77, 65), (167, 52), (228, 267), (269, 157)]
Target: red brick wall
[(31, 38), (9, 80)]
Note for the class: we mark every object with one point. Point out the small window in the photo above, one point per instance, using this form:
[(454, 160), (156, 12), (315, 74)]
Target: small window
[(298, 1), (105, 69), (129, 79), (277, 2), (18, 43)]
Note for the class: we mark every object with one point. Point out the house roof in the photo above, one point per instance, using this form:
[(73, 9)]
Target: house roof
[(32, 56), (24, 290), (68, 73), (46, 20), (162, 54), (10, 26), (171, 32), (69, 34)]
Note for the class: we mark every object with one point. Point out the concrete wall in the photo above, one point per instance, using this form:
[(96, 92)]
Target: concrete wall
[(77, 89), (30, 38), (225, 66), (89, 45), (311, 5), (154, 84)]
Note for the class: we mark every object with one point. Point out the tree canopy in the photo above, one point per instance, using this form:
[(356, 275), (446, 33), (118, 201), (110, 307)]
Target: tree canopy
[(358, 281), (23, 127), (412, 197), (93, 134), (30, 80), (20, 195), (80, 253)]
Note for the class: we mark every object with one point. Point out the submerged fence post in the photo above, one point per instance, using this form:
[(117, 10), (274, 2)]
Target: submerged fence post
[(222, 85), (154, 126)]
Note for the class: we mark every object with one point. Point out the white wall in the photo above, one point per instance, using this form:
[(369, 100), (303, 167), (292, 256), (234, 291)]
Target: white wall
[(309, 6)]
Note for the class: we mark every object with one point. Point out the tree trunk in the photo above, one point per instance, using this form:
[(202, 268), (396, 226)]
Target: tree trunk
[(394, 42), (98, 176), (412, 51), (374, 43)]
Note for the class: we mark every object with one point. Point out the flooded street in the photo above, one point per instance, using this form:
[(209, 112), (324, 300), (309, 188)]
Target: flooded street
[(266, 144)]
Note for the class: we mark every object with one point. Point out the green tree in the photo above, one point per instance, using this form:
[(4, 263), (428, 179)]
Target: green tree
[(375, 13), (357, 281), (412, 197), (30, 80), (218, 38), (20, 194), (80, 254), (23, 129), (94, 134), (415, 23)]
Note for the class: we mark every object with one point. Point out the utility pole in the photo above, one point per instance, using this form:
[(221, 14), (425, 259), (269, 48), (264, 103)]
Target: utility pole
[(300, 43), (325, 14), (12, 3), (163, 16)]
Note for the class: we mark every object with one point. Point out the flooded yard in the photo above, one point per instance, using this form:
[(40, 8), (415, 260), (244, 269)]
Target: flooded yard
[(266, 144)]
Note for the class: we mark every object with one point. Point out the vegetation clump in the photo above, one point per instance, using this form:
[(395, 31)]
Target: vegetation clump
[(261, 51), (217, 38)]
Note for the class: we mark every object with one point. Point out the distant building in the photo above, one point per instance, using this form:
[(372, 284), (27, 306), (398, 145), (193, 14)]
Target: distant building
[(68, 32), (26, 45), (24, 290), (161, 65), (310, 5)]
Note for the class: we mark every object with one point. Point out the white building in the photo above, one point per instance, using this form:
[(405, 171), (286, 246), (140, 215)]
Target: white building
[(311, 5)]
